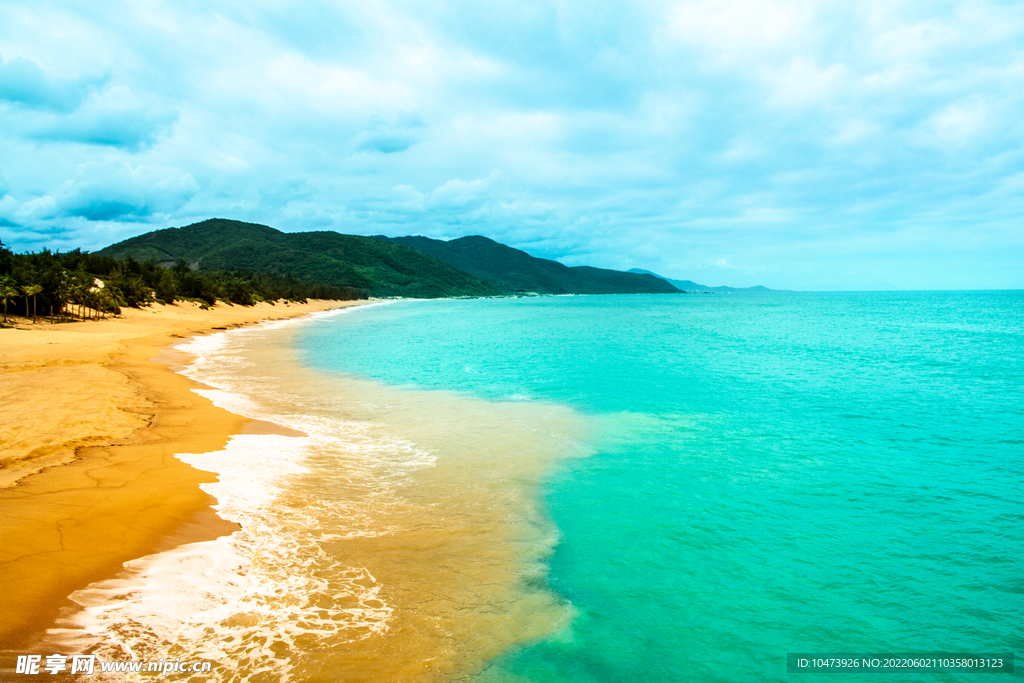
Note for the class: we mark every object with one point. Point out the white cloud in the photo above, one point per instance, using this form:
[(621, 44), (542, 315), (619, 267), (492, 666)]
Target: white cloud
[(36, 209), (114, 117), (116, 191), (8, 207), (736, 29), (956, 125), (856, 131), (804, 83), (23, 82), (461, 193)]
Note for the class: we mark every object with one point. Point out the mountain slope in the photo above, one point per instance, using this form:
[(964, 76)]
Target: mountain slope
[(690, 286), (382, 268), (512, 270)]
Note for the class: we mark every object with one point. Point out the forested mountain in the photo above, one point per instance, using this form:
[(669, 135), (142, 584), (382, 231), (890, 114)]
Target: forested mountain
[(512, 270), (379, 267), (383, 266)]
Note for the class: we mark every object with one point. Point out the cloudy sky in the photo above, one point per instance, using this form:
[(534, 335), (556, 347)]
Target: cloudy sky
[(798, 144)]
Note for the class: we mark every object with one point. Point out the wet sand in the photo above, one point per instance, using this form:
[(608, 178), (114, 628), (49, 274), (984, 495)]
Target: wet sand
[(92, 416)]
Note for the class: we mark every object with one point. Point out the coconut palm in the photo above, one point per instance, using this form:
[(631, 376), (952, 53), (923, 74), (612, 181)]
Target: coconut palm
[(7, 292), (93, 296), (72, 300), (31, 291), (102, 301), (78, 290), (110, 298), (62, 290)]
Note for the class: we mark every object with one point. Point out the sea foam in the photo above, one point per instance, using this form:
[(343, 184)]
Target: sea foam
[(402, 522), (259, 589)]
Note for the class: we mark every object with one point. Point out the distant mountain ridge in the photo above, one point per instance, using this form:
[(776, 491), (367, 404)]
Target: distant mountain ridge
[(381, 268), (690, 286), (410, 266), (513, 270)]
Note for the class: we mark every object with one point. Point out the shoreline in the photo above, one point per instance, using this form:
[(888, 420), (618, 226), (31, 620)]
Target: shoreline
[(404, 538), (95, 413)]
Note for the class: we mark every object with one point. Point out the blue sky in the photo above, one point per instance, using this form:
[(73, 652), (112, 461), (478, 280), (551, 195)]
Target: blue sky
[(790, 143)]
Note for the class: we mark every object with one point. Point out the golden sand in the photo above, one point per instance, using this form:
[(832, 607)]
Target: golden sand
[(91, 416)]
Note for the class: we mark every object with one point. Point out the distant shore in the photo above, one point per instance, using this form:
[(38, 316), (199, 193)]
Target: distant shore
[(93, 415)]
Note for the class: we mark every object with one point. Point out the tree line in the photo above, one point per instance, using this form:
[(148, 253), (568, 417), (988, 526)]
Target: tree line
[(78, 284)]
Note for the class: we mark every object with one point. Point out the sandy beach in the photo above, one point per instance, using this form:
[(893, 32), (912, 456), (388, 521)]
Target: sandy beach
[(93, 414)]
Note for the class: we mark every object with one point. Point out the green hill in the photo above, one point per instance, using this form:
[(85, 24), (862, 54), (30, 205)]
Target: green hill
[(512, 270), (382, 268)]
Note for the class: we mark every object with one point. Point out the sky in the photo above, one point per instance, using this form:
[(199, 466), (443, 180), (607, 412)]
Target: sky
[(795, 144)]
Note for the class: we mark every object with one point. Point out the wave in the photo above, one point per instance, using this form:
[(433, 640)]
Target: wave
[(403, 522)]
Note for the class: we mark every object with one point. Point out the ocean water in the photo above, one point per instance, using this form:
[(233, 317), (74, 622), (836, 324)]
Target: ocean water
[(601, 489)]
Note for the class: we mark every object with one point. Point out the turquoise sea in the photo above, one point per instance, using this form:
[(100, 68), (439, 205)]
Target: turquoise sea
[(764, 473), (598, 489)]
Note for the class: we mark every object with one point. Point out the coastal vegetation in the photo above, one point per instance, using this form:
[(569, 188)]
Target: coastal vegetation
[(80, 284)]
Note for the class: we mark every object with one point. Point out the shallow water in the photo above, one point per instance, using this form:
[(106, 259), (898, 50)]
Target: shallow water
[(773, 473), (401, 539), (616, 488)]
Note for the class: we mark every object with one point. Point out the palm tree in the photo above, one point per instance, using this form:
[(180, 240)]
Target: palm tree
[(78, 291), (61, 290), (72, 300), (7, 292), (110, 298), (102, 297), (31, 291), (93, 297), (83, 287)]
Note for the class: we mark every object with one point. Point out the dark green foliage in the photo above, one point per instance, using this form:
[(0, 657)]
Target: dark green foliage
[(512, 270), (166, 288), (79, 284), (382, 268), (6, 259)]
